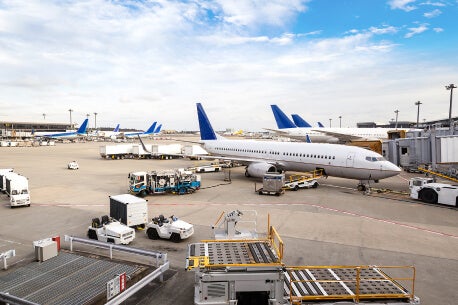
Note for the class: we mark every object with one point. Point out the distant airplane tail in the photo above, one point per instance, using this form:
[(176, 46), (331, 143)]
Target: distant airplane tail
[(280, 117), (83, 127), (116, 129), (299, 121), (151, 129), (206, 129), (158, 129), (320, 124), (307, 139)]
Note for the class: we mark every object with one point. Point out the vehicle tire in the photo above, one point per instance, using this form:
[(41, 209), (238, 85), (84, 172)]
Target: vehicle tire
[(91, 234), (216, 169), (176, 238), (182, 191), (277, 194), (296, 188), (152, 233), (143, 193), (428, 196), (361, 187), (315, 185)]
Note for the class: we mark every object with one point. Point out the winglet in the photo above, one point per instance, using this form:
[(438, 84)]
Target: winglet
[(320, 124), (299, 121), (116, 129), (151, 129), (206, 129), (82, 129), (280, 117), (158, 129)]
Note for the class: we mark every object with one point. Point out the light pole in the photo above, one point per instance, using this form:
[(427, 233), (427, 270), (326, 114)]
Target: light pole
[(87, 116), (450, 87), (95, 120), (44, 116), (340, 121), (330, 120), (70, 110), (396, 124), (418, 111)]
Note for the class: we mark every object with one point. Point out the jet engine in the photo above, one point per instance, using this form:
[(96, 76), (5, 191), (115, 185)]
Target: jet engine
[(259, 169)]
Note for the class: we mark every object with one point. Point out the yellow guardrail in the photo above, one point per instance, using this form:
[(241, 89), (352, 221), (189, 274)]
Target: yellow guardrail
[(276, 242), (422, 169), (197, 261), (358, 282)]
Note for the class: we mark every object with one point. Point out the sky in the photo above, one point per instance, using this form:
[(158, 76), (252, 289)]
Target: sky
[(135, 62)]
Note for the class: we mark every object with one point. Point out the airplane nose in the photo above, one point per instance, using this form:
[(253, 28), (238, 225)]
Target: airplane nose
[(391, 168)]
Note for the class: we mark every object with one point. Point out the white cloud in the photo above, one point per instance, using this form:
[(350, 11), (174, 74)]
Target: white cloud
[(415, 31), (440, 4), (402, 5), (383, 30), (438, 30), (433, 13)]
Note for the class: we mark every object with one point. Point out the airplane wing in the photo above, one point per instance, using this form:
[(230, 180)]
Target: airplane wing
[(341, 136)]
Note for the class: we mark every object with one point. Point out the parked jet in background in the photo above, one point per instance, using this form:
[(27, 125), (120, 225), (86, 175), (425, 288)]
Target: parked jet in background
[(270, 156), (65, 135), (328, 135), (151, 131), (109, 134), (299, 121)]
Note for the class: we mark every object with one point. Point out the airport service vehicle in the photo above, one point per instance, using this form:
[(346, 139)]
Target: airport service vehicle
[(116, 151), (17, 188), (252, 271), (297, 182), (110, 230), (3, 173), (272, 184), (205, 168), (169, 228), (129, 210), (73, 165), (426, 190), (175, 181)]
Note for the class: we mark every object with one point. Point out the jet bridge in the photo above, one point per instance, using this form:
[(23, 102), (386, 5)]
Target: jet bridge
[(241, 272)]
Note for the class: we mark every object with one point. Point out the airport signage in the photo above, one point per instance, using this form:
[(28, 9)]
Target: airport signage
[(116, 285)]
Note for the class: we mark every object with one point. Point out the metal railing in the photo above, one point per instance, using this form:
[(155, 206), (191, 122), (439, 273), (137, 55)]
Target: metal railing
[(357, 282)]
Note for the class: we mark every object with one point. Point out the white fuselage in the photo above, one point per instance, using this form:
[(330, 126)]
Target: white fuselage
[(319, 134), (337, 160)]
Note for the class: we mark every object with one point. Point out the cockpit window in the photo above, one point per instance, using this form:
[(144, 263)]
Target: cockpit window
[(375, 159)]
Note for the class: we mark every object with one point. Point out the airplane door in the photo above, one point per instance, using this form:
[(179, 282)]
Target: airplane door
[(350, 160)]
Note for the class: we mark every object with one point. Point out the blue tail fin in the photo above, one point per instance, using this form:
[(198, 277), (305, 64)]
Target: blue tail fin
[(280, 117), (307, 139), (206, 129), (320, 124), (158, 129), (116, 129), (151, 129), (82, 129), (300, 122)]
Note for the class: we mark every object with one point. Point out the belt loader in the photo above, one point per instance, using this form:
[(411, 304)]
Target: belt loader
[(159, 182), (231, 272)]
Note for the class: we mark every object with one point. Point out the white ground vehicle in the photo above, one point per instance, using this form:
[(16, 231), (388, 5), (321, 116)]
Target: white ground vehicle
[(206, 168), (111, 231), (301, 183), (426, 190), (129, 209), (17, 188), (169, 228), (73, 165)]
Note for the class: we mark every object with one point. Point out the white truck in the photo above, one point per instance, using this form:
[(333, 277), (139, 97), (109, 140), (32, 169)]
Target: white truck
[(129, 209), (426, 190), (116, 151), (169, 228), (111, 231), (206, 169), (17, 188)]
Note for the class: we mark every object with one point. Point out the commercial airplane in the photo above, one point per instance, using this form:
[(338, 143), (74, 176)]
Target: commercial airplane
[(109, 134), (269, 156), (65, 135), (152, 130), (322, 134)]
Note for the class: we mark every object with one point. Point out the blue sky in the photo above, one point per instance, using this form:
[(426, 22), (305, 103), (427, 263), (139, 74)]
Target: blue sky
[(134, 62)]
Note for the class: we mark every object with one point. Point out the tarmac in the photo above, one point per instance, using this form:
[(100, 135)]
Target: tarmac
[(331, 225)]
